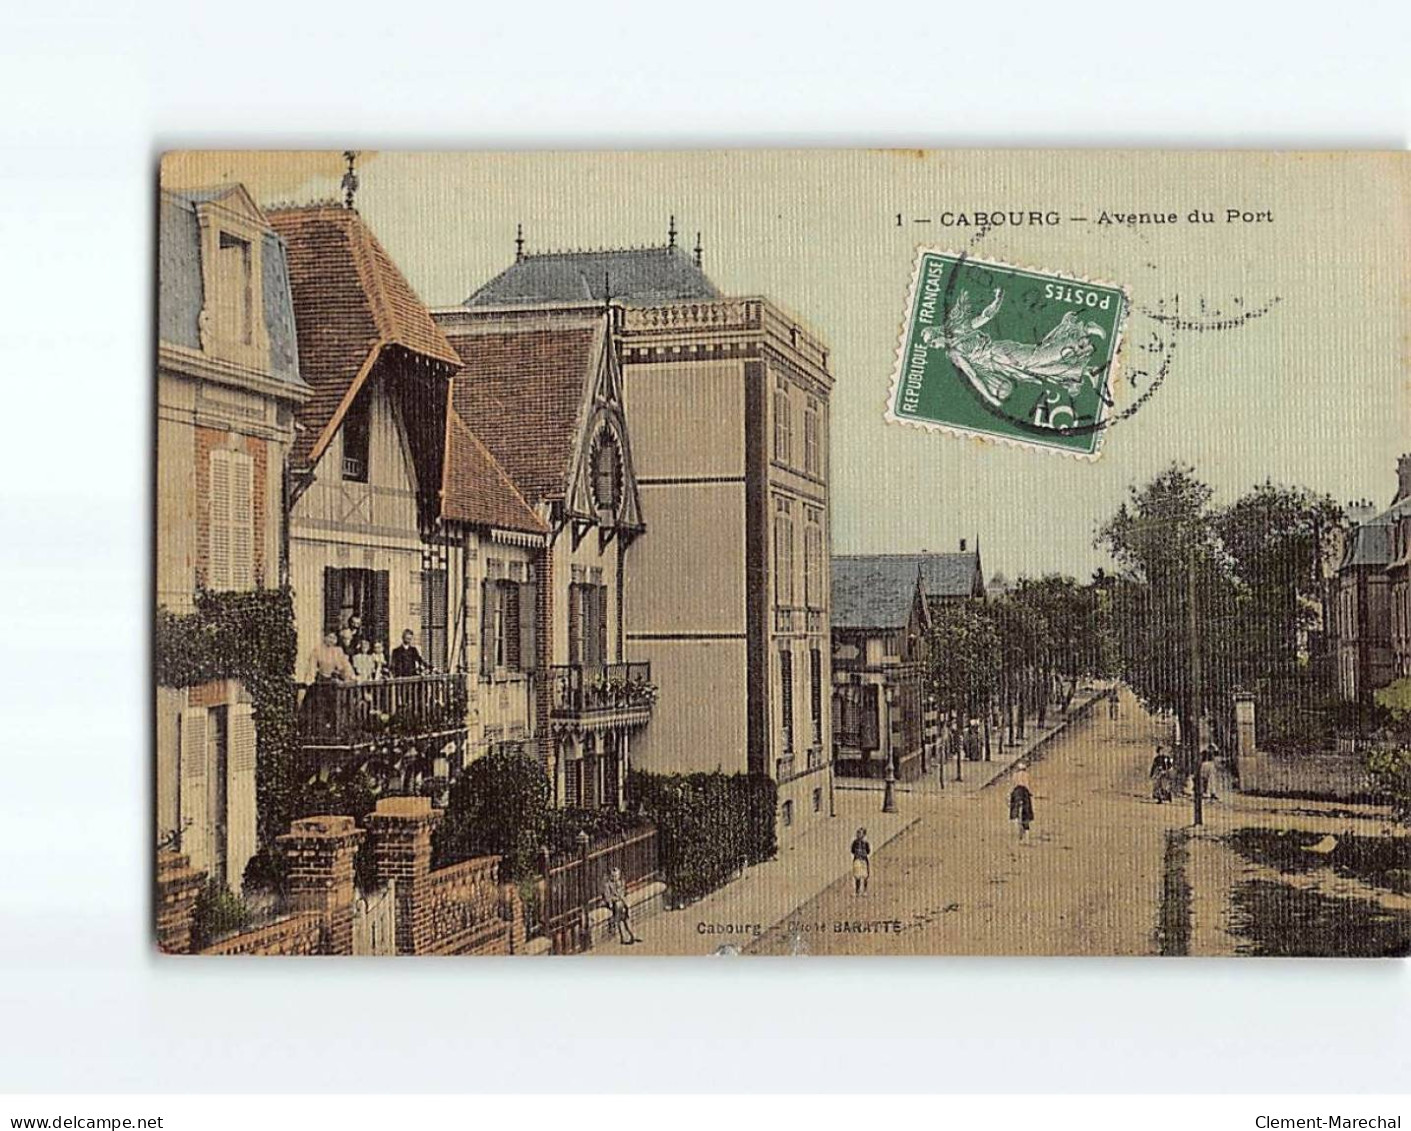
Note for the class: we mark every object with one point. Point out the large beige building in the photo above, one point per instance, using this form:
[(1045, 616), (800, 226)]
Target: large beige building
[(228, 385), (726, 596)]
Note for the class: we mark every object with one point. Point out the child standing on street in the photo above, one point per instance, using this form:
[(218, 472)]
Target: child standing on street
[(861, 862)]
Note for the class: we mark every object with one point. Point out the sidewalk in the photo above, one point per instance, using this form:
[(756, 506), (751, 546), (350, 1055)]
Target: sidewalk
[(738, 913), (976, 776)]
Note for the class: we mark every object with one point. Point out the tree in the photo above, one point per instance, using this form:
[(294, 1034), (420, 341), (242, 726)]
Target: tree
[(1023, 637), (1070, 644), (962, 660), (498, 807), (1274, 537), (1165, 544)]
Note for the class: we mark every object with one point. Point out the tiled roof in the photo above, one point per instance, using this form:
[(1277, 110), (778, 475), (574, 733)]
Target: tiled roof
[(875, 590), (350, 301), (634, 276), (476, 489), (522, 392)]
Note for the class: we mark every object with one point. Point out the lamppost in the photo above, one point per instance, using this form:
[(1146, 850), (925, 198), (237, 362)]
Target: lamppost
[(889, 791)]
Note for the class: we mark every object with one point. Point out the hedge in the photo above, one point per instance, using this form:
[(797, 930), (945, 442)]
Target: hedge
[(709, 826)]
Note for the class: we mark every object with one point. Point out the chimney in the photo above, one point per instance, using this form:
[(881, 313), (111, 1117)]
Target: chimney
[(962, 545), (1403, 477)]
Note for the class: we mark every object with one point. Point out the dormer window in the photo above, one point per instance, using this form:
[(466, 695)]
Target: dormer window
[(234, 288), (232, 322)]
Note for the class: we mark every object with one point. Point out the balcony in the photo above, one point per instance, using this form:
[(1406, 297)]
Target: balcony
[(334, 715), (603, 695)]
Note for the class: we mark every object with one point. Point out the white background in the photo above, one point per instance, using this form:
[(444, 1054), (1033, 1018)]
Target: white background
[(90, 92)]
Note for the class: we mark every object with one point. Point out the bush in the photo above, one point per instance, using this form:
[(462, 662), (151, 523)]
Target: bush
[(709, 826), (498, 807), (217, 912), (562, 827)]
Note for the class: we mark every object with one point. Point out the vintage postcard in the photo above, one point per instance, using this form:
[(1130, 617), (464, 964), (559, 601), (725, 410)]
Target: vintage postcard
[(783, 553)]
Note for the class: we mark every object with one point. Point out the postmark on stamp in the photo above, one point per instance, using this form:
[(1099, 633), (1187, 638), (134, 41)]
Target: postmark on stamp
[(1012, 354)]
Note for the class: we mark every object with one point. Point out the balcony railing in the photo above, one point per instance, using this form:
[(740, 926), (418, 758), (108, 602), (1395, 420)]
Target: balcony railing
[(333, 713), (784, 768), (579, 690)]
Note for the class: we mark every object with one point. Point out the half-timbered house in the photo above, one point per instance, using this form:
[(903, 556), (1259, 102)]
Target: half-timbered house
[(368, 554), (542, 391)]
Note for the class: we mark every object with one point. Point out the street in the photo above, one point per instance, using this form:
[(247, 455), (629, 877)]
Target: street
[(1087, 880)]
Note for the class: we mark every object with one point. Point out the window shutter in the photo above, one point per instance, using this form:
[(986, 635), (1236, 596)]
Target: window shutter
[(487, 628), (528, 610), (332, 598), (602, 624), (192, 808), (511, 624), (219, 555), (376, 623), (241, 830), (575, 624), (242, 521)]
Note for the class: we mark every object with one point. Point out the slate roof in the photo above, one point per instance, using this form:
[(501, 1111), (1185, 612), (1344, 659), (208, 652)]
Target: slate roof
[(522, 392), (350, 302), (181, 288), (476, 489), (636, 276), (875, 590)]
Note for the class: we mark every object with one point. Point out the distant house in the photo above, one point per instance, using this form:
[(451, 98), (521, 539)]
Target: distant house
[(228, 384), (1372, 595), (883, 605)]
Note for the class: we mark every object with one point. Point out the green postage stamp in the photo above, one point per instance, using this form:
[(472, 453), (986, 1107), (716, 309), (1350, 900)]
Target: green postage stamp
[(1026, 357)]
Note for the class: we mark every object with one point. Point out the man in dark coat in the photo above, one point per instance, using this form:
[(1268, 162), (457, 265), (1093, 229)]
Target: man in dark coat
[(406, 658), (1021, 802)]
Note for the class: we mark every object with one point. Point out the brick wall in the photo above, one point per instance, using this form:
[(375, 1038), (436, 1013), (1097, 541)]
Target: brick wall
[(462, 909), (298, 935)]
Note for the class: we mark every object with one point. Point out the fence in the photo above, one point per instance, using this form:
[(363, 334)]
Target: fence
[(572, 885), (375, 922), (339, 714)]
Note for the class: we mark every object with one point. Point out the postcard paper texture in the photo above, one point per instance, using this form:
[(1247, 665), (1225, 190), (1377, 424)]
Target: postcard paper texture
[(783, 553)]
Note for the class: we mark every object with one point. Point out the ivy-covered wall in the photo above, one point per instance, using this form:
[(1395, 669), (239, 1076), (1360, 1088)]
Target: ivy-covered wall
[(248, 637)]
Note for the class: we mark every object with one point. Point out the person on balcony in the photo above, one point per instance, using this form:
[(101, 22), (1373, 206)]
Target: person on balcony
[(365, 664), (352, 636), (379, 660), (406, 658), (329, 662)]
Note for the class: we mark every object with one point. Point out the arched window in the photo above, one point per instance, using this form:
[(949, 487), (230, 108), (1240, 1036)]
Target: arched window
[(607, 473)]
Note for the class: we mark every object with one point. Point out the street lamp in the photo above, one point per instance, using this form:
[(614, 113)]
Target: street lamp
[(889, 791)]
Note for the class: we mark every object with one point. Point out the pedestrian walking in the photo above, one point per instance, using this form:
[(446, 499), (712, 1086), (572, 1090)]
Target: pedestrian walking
[(1205, 775), (861, 862), (1021, 802), (1161, 770), (615, 898), (972, 742)]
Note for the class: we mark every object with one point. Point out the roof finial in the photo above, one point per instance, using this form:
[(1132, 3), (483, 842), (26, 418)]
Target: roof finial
[(700, 251), (350, 178), (671, 233), (518, 242)]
